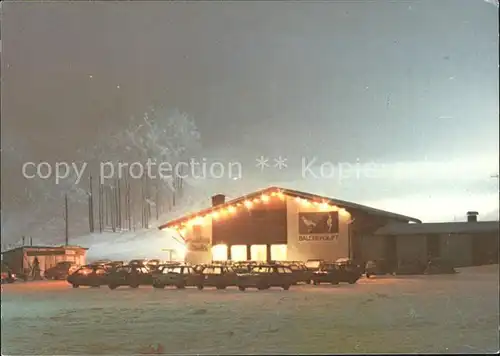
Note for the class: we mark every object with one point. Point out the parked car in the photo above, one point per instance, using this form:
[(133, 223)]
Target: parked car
[(159, 269), (153, 264), (180, 276), (131, 276), (266, 276), (410, 267), (199, 267), (439, 266), (301, 273), (140, 262), (334, 273), (218, 276), (100, 263), (243, 267), (111, 266), (377, 267), (314, 264), (350, 271), (61, 270), (89, 275), (8, 276)]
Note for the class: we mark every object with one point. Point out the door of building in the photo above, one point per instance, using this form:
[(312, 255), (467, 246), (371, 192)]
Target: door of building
[(391, 252), (433, 246)]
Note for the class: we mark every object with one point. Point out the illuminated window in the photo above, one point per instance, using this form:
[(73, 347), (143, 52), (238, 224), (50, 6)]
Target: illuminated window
[(278, 252), (239, 253), (258, 252), (219, 253)]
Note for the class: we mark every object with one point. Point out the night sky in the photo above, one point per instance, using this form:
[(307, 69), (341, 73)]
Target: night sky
[(411, 86)]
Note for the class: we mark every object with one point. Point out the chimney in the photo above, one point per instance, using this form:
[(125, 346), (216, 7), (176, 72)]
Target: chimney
[(472, 216), (218, 199)]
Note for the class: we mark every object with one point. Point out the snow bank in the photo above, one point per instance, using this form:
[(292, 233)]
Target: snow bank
[(150, 243)]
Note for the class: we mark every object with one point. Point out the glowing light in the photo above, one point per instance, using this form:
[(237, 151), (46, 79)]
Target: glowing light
[(239, 253), (344, 212), (231, 209), (256, 200), (258, 252), (181, 252), (219, 253), (215, 215), (199, 220), (264, 198), (248, 204), (278, 252), (182, 232), (280, 195), (305, 202), (298, 199), (334, 208), (324, 206)]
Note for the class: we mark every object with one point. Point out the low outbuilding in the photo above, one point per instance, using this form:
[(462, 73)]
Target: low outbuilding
[(21, 259)]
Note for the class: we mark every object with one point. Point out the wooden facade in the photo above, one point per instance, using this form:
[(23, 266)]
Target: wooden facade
[(262, 225), (277, 223)]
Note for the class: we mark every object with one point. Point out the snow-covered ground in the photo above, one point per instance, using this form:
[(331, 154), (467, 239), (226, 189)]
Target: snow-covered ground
[(151, 243), (124, 246), (457, 313)]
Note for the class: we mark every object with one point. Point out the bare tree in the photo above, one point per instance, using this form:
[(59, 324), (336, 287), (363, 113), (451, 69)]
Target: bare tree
[(159, 136)]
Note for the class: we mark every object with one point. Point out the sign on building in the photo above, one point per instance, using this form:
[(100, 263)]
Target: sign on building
[(198, 242), (318, 226)]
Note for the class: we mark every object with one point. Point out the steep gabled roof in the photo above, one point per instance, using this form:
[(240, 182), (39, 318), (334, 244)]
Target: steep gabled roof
[(439, 228), (291, 193)]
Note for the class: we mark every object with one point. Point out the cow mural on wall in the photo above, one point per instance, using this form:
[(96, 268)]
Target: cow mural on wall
[(318, 226)]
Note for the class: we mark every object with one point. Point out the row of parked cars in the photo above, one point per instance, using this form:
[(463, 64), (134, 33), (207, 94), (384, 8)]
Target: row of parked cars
[(312, 271), (243, 275)]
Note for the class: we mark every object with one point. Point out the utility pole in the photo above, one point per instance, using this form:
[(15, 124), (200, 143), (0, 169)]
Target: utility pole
[(157, 199), (91, 206), (106, 205), (143, 207), (127, 204), (112, 206), (100, 208), (148, 205), (118, 204), (66, 219)]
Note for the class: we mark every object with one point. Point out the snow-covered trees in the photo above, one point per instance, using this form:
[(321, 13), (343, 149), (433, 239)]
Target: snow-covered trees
[(33, 206), (36, 207), (128, 197)]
